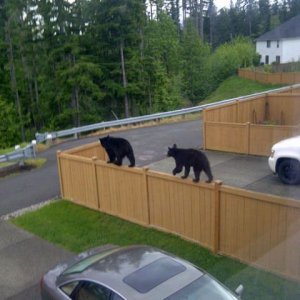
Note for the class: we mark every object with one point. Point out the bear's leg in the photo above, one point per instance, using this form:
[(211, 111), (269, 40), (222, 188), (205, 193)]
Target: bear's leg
[(119, 160), (178, 169), (197, 174), (209, 175), (111, 155), (131, 158), (186, 172)]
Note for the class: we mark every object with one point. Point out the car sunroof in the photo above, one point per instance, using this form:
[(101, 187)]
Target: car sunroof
[(150, 276)]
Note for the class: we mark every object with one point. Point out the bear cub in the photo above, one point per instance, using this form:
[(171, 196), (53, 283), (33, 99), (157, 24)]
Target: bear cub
[(190, 158), (117, 148)]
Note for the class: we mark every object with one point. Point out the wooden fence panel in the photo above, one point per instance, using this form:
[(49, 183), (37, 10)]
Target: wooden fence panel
[(288, 77), (252, 110), (263, 137), (223, 113), (182, 207), (122, 192), (284, 108), (274, 78), (261, 77), (78, 180), (90, 150), (271, 78), (228, 137), (261, 230)]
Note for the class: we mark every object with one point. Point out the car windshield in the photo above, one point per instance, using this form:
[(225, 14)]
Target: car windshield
[(203, 288), (83, 264)]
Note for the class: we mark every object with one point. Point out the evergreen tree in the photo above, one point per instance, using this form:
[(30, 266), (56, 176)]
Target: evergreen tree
[(195, 53)]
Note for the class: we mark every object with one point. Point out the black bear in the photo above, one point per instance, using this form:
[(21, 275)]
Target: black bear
[(190, 158), (116, 149)]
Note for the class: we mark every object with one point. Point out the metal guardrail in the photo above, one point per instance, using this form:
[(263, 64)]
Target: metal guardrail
[(41, 137), (19, 154)]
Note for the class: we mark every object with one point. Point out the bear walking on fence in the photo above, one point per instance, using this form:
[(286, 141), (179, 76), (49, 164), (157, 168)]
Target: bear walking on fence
[(117, 148), (190, 158)]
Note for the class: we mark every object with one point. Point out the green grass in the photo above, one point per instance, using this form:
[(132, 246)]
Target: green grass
[(77, 228), (235, 87), (35, 162)]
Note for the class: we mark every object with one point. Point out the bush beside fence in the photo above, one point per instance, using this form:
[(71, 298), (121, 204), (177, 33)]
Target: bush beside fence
[(258, 229)]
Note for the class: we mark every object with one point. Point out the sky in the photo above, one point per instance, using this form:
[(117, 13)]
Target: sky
[(222, 3)]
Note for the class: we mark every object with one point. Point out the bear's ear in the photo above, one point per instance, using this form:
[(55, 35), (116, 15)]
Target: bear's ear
[(174, 146)]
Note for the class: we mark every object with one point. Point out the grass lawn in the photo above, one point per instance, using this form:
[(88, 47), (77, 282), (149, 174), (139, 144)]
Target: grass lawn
[(77, 228), (235, 86)]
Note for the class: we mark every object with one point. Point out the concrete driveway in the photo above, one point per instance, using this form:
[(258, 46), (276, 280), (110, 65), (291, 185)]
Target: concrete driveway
[(23, 259)]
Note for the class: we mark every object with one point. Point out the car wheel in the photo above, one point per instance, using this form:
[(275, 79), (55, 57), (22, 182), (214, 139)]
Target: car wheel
[(289, 171)]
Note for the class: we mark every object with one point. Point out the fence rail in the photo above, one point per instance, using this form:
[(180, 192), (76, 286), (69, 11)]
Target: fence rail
[(41, 137)]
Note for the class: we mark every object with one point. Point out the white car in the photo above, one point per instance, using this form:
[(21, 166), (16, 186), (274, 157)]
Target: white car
[(285, 160)]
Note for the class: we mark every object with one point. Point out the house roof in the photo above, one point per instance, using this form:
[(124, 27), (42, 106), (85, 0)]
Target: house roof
[(289, 29)]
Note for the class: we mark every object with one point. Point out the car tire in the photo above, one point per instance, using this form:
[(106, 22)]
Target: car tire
[(289, 171)]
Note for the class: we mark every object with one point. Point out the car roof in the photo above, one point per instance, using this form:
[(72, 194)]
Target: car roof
[(126, 270)]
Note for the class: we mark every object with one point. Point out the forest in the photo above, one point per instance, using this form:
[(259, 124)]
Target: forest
[(69, 63)]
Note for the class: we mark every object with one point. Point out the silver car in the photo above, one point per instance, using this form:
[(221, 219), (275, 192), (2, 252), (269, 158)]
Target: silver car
[(134, 272)]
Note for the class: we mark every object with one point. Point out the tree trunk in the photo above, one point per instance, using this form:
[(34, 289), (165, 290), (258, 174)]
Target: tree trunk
[(126, 100), (13, 80)]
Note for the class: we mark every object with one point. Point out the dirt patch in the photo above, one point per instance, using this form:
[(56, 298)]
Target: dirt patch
[(16, 168)]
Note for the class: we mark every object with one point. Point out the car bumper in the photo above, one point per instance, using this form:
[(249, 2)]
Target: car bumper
[(272, 164)]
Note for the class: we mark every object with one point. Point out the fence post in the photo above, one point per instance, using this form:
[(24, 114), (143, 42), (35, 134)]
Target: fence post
[(94, 158), (204, 130), (61, 183), (216, 216), (146, 193), (237, 102)]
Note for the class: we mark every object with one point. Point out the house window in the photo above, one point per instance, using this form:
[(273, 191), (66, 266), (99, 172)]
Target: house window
[(267, 59), (268, 44), (278, 59), (277, 43)]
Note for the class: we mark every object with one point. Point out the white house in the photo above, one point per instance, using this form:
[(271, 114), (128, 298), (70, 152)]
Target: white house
[(281, 44)]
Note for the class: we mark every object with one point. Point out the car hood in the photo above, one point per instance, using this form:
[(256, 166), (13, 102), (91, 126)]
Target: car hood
[(290, 143)]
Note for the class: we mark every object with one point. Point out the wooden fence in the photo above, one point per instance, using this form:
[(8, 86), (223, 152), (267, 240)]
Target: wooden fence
[(270, 78), (252, 126), (258, 229)]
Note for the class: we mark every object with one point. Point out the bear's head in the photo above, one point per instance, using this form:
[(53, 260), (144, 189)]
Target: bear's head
[(104, 141), (172, 151)]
